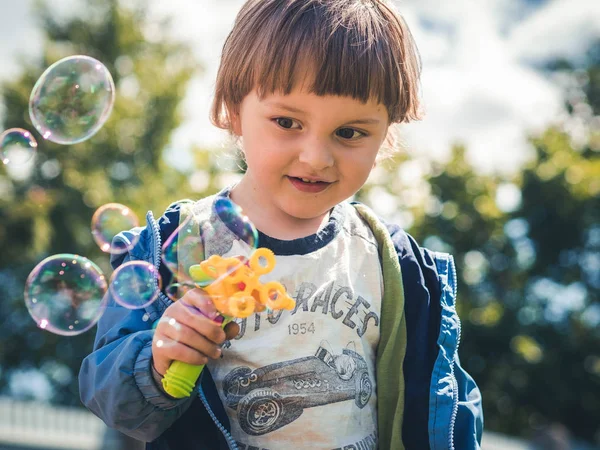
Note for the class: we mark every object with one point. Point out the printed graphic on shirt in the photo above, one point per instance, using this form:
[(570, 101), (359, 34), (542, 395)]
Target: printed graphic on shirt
[(273, 396), (355, 312)]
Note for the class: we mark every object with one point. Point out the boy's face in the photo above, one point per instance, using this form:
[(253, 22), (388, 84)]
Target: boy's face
[(289, 139)]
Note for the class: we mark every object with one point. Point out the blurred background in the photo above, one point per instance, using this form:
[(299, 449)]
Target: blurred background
[(503, 172)]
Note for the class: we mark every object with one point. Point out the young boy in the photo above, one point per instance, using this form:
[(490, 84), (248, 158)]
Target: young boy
[(368, 356)]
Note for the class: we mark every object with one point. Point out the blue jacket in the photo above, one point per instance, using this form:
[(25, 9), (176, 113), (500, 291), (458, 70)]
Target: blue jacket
[(442, 405)]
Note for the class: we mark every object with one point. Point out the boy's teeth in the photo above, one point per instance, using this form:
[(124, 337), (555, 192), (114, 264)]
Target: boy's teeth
[(308, 181)]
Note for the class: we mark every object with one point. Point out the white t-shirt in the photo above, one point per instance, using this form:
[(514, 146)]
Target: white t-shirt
[(305, 378)]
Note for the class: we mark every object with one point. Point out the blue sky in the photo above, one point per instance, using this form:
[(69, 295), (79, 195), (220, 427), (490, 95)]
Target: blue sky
[(480, 84)]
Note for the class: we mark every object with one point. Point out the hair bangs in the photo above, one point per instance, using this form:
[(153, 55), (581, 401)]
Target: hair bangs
[(328, 57), (356, 48)]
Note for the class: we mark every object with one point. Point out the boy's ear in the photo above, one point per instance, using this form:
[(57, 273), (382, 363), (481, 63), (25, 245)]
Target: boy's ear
[(236, 126)]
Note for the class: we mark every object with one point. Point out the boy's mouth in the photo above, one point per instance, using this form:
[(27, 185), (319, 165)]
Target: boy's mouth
[(308, 185)]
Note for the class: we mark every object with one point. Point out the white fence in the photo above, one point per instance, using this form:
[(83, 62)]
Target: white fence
[(41, 426)]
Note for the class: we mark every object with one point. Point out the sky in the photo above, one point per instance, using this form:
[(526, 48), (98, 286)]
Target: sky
[(481, 84)]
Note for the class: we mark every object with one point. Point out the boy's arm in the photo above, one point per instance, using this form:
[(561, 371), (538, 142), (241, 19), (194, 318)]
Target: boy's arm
[(116, 381)]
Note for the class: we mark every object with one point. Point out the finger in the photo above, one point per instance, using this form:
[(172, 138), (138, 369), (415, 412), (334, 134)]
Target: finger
[(199, 300), (188, 336), (166, 350), (232, 329), (185, 314), (196, 339), (206, 327)]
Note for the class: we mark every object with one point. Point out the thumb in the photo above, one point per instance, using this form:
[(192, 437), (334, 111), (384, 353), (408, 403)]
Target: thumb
[(232, 329)]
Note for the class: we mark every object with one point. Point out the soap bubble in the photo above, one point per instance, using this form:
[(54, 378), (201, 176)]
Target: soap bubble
[(72, 99), (17, 146), (228, 232), (232, 216), (183, 248), (135, 284), (175, 290), (108, 221), (65, 294)]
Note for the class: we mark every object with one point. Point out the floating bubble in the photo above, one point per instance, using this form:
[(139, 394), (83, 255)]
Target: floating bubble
[(108, 221), (182, 249), (236, 221), (135, 284), (17, 146), (72, 99), (228, 232), (176, 290), (65, 294)]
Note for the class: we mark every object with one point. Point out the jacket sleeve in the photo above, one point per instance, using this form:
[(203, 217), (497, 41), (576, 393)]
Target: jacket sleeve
[(425, 317), (468, 428), (456, 421), (115, 380)]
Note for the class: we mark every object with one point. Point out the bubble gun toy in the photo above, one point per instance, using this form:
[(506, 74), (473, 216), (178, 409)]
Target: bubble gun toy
[(236, 292)]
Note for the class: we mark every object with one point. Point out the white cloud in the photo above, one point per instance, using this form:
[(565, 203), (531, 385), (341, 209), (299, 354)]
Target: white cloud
[(19, 36), (488, 108), (562, 28), (475, 89)]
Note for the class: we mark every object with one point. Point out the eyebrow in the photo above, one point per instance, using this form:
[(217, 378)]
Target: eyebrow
[(300, 111), (365, 121), (285, 107)]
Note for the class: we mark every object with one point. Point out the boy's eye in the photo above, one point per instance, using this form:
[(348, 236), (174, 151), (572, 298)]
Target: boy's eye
[(285, 122), (345, 133), (349, 133)]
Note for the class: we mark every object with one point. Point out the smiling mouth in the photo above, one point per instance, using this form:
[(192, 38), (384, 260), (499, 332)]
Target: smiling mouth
[(306, 185), (306, 180)]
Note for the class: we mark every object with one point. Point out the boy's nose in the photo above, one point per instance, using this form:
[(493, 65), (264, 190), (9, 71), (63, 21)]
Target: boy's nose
[(316, 154)]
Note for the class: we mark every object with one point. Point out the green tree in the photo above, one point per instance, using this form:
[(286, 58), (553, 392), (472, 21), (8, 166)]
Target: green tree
[(49, 211)]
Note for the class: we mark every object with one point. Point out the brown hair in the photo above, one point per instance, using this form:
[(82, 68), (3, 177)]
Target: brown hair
[(357, 48)]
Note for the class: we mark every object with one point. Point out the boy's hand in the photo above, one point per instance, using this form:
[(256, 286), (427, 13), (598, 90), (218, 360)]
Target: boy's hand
[(190, 335)]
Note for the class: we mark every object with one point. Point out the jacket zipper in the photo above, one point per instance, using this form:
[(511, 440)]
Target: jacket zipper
[(157, 254), (157, 246), (157, 257), (228, 437), (454, 282)]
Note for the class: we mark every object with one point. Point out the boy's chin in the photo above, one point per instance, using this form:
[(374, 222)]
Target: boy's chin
[(308, 213)]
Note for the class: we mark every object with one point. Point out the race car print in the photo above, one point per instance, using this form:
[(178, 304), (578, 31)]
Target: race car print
[(273, 396)]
